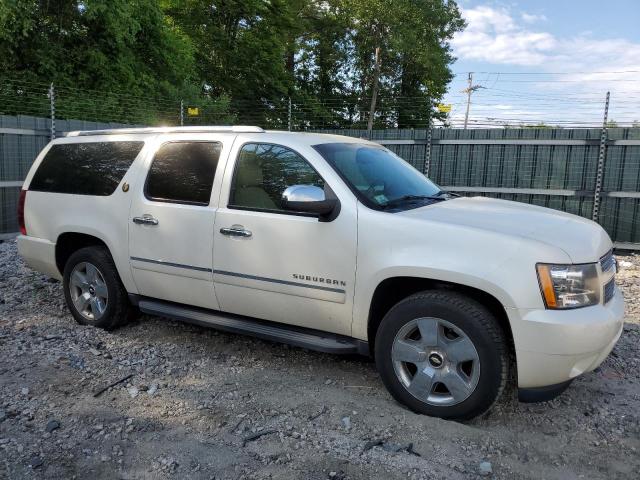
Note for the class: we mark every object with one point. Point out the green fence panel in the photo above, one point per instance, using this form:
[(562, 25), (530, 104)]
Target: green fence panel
[(540, 166)]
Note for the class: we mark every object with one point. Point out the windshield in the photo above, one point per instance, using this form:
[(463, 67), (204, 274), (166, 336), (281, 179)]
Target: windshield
[(380, 178)]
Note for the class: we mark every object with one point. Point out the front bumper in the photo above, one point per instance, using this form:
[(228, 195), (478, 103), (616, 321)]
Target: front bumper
[(542, 394), (555, 346)]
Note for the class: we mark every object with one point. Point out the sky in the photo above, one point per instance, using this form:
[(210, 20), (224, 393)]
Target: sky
[(547, 61)]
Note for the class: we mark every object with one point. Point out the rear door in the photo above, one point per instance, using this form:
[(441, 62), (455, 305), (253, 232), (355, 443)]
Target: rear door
[(172, 217)]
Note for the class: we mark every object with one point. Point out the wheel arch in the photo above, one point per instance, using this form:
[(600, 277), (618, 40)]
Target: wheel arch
[(69, 242), (394, 289)]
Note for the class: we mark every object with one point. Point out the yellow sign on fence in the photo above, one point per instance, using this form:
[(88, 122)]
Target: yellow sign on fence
[(193, 111), (444, 107)]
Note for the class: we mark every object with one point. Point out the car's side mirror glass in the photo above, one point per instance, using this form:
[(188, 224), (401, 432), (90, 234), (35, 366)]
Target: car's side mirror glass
[(308, 199)]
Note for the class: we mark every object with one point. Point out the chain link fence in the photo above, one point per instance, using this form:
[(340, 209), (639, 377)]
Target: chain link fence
[(296, 112), (553, 167)]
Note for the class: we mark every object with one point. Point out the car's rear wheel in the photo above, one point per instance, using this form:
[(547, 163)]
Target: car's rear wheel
[(93, 290), (442, 354)]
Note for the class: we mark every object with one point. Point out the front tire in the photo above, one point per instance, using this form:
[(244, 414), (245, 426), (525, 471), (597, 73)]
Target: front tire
[(442, 354), (93, 290)]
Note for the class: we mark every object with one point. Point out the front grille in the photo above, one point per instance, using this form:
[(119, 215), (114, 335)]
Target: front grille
[(607, 261), (609, 290)]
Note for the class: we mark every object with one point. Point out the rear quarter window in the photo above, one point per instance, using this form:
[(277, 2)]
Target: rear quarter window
[(183, 172), (93, 168)]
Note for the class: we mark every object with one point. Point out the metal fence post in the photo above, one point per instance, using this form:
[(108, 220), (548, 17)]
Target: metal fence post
[(52, 103), (601, 159), (289, 115), (427, 159), (182, 113)]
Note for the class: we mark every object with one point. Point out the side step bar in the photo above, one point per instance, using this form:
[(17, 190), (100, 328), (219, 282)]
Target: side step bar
[(276, 332)]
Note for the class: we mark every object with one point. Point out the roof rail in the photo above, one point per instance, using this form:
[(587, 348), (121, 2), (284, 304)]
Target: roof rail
[(211, 129)]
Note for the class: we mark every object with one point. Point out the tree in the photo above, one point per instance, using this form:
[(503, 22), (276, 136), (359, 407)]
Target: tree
[(135, 60), (242, 50), (414, 55), (425, 57), (539, 125), (103, 45)]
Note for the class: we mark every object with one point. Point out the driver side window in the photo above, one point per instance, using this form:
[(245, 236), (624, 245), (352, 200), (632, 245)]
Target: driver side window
[(263, 171)]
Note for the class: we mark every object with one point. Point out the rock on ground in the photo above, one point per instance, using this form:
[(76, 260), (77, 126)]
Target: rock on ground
[(196, 396)]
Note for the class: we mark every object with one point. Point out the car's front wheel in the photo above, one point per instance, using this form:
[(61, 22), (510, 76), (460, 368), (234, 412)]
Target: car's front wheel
[(93, 290), (442, 354)]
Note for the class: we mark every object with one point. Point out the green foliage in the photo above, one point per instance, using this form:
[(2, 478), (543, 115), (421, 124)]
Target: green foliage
[(336, 59), (413, 38), (110, 46), (238, 60)]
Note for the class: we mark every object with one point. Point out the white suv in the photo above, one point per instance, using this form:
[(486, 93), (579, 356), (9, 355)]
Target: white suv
[(329, 243)]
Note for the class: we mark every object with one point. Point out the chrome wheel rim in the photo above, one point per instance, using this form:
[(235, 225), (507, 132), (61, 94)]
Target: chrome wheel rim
[(435, 361), (88, 291)]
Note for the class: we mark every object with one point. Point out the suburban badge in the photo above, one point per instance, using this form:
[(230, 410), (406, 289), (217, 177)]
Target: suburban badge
[(326, 281)]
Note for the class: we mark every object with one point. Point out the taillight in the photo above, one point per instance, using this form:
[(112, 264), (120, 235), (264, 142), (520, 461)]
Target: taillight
[(21, 200)]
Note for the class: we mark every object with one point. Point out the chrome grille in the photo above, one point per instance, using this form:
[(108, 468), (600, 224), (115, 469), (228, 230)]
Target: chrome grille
[(607, 261), (609, 290)]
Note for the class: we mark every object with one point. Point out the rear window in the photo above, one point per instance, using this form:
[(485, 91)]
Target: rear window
[(94, 168)]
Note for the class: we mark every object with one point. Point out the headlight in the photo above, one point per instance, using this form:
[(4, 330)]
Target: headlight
[(569, 286)]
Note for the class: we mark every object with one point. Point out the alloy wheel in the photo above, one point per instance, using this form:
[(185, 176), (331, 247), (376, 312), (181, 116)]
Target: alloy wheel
[(88, 291), (435, 361)]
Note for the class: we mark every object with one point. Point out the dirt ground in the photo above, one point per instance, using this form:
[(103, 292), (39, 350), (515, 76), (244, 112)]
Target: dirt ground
[(202, 404)]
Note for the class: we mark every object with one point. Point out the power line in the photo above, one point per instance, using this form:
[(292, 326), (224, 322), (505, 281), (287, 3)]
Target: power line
[(550, 73), (572, 81)]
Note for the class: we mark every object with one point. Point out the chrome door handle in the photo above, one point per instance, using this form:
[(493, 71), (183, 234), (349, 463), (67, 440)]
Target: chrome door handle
[(235, 232), (145, 220)]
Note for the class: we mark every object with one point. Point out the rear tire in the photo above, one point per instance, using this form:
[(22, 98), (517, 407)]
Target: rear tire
[(442, 354), (93, 290)]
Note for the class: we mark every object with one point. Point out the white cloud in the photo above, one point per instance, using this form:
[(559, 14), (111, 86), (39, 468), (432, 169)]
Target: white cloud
[(568, 86), (532, 18), (508, 40), (493, 35)]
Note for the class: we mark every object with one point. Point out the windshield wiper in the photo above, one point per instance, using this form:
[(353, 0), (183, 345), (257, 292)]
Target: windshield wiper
[(410, 198), (446, 192)]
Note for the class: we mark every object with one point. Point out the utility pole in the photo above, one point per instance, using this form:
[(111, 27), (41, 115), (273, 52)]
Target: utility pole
[(182, 113), (374, 92), (289, 120), (469, 90)]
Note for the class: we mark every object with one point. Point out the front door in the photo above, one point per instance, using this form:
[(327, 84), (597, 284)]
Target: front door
[(275, 264), (171, 221)]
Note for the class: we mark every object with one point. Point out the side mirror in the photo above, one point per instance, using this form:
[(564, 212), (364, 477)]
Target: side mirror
[(308, 199)]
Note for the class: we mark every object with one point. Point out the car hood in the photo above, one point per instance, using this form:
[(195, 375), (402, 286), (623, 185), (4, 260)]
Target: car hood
[(581, 239)]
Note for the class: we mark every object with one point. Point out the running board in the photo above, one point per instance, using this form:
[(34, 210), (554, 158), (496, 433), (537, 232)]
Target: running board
[(276, 332)]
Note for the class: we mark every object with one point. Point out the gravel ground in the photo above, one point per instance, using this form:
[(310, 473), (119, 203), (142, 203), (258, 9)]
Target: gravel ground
[(202, 404)]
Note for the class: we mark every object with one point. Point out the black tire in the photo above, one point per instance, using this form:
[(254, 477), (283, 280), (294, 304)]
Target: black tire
[(118, 309), (479, 326)]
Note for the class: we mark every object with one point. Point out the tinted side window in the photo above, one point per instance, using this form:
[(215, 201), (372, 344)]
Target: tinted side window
[(85, 168), (264, 171), (183, 172)]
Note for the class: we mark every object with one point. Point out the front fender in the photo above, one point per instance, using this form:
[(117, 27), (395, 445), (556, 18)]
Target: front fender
[(498, 264), (362, 304)]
